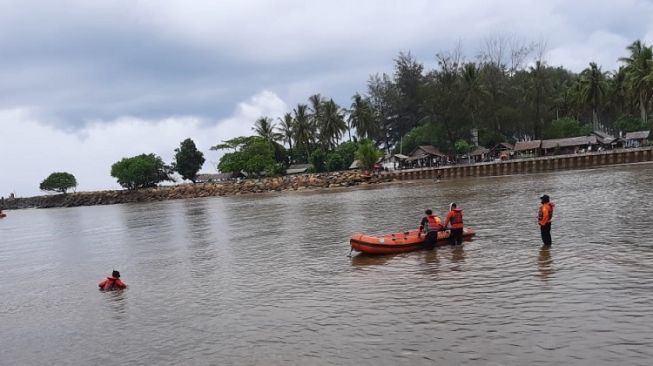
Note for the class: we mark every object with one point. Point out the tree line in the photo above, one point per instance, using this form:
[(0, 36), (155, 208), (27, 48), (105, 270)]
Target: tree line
[(507, 94), (141, 171)]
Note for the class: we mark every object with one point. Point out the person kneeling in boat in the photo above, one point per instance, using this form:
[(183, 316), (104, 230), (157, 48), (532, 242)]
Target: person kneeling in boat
[(431, 225), (112, 283), (455, 218)]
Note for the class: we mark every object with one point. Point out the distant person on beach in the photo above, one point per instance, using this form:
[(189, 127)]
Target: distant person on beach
[(431, 225), (544, 216), (112, 283), (455, 218)]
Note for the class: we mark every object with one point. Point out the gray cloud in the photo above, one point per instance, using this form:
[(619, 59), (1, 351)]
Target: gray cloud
[(72, 63), (75, 61)]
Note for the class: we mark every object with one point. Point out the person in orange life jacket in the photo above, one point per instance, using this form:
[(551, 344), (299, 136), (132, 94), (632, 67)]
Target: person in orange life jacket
[(112, 283), (430, 224), (455, 218), (544, 216)]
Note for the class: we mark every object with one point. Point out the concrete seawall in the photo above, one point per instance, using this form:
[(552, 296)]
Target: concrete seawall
[(335, 179), (534, 165)]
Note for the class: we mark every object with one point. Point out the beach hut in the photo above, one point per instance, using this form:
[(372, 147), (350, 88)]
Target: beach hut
[(426, 156), (636, 139), (479, 154), (502, 150), (606, 141), (569, 145), (528, 149)]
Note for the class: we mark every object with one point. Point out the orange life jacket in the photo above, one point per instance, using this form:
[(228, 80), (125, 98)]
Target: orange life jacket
[(112, 283), (433, 223), (545, 213), (455, 218)]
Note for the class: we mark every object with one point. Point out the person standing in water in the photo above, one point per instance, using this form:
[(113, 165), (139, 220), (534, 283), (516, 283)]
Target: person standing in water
[(430, 224), (112, 283), (544, 217), (455, 218)]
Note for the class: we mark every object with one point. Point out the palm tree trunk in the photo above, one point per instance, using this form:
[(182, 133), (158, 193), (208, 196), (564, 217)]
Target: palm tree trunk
[(642, 107)]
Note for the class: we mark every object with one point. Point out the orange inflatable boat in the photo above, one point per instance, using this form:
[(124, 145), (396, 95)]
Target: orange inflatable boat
[(398, 242)]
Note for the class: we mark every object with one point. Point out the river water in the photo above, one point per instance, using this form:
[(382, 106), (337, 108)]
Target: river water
[(265, 279)]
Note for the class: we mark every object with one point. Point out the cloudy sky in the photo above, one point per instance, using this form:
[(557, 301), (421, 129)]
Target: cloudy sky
[(86, 83)]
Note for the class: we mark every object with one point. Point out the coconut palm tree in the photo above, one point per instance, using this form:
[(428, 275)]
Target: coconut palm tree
[(639, 68), (332, 125), (361, 117), (473, 90), (286, 128), (594, 88), (303, 130), (316, 102), (618, 90), (265, 128)]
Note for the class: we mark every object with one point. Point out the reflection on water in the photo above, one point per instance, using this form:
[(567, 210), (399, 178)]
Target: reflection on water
[(266, 279), (116, 304), (545, 263)]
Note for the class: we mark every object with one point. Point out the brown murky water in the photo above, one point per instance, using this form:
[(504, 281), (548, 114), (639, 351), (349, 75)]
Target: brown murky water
[(266, 280)]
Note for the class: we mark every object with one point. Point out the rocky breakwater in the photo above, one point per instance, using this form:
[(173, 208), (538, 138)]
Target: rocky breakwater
[(210, 189)]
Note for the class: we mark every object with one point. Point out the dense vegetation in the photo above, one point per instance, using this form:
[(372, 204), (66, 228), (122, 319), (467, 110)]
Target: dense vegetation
[(58, 182), (508, 94)]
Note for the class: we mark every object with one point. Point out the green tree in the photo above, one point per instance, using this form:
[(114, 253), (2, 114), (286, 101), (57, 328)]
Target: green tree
[(361, 117), (287, 130), (266, 128), (231, 163), (318, 160), (593, 90), (335, 162), (630, 124), (566, 127), (58, 182), (490, 138), (332, 125), (473, 90), (428, 134), (368, 154), (639, 68), (142, 171), (347, 151), (188, 160), (253, 155), (463, 147), (304, 132), (384, 97)]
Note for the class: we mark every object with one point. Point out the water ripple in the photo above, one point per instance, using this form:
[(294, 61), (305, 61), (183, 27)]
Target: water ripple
[(265, 279)]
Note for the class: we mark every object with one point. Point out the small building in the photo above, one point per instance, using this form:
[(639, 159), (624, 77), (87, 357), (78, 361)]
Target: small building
[(502, 151), (356, 164), (606, 141), (398, 161), (478, 155), (528, 149), (636, 139), (569, 145), (426, 156)]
